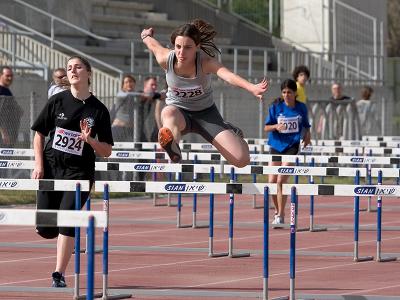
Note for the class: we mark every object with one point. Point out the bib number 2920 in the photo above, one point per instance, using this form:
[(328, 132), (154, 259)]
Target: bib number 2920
[(291, 124)]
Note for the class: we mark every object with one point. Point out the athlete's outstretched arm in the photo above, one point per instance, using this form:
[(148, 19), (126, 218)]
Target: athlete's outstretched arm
[(160, 52), (211, 65), (38, 144)]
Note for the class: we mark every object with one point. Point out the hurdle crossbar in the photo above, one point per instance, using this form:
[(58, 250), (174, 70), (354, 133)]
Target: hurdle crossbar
[(43, 184), (49, 217), (248, 188)]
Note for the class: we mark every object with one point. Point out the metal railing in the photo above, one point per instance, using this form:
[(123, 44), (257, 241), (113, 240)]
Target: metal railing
[(250, 62), (24, 47)]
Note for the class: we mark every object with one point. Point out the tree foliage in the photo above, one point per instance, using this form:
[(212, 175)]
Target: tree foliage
[(393, 28)]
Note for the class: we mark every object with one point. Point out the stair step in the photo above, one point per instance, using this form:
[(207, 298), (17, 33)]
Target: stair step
[(132, 21), (137, 6), (118, 12)]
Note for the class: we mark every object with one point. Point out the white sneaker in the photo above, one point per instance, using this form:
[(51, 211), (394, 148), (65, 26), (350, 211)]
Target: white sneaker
[(278, 220)]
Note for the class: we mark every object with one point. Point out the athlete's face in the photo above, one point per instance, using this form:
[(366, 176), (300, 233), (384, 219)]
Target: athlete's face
[(185, 49), (288, 95), (77, 72)]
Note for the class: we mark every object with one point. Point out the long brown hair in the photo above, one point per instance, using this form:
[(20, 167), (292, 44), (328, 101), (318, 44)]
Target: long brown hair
[(201, 32)]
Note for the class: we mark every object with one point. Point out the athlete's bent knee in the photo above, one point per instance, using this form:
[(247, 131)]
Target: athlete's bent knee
[(241, 163), (47, 232)]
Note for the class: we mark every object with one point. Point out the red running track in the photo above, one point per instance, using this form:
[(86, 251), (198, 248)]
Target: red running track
[(154, 259)]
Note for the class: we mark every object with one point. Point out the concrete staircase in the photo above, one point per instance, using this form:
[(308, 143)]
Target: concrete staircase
[(123, 21)]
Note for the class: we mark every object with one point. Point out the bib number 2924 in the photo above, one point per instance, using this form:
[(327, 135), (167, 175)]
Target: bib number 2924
[(67, 141)]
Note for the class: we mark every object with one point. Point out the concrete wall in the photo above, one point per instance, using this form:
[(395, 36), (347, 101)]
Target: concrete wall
[(309, 23), (306, 23)]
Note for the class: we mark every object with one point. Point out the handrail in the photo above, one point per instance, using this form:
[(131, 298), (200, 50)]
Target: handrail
[(62, 21), (61, 44)]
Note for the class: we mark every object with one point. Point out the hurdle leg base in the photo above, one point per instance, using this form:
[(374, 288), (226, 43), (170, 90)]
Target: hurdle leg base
[(318, 229), (386, 259), (83, 297), (95, 251), (281, 298), (114, 297), (365, 258), (303, 229), (185, 226), (218, 254), (238, 255), (200, 226)]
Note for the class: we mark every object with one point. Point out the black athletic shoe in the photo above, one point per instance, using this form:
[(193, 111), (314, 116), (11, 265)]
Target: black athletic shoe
[(235, 129), (58, 280), (166, 140)]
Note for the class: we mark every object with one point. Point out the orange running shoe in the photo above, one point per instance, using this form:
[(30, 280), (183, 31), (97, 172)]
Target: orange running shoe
[(166, 140)]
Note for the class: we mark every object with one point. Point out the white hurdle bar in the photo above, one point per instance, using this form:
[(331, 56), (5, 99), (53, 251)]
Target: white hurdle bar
[(128, 154), (205, 168), (49, 217), (381, 138), (43, 184), (258, 147), (248, 188)]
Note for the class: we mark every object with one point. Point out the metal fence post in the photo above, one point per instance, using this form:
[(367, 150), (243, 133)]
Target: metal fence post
[(31, 115)]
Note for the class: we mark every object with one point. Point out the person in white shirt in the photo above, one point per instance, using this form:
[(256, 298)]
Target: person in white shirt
[(60, 82)]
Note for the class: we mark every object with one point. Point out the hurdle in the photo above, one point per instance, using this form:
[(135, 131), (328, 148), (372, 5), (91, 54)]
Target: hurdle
[(231, 218), (211, 222), (379, 257), (61, 218), (194, 209), (357, 222), (339, 190)]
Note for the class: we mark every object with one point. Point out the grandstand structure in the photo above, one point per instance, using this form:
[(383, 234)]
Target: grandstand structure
[(38, 36)]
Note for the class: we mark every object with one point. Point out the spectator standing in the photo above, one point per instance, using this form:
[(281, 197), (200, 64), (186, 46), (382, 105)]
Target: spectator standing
[(78, 126), (10, 111), (366, 110), (287, 123), (60, 82), (123, 111), (301, 74), (337, 92), (190, 105), (153, 104)]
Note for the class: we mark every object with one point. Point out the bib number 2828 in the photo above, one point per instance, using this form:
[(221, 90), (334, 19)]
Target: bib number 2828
[(67, 141)]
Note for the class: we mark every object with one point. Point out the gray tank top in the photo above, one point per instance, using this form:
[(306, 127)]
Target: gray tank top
[(193, 94)]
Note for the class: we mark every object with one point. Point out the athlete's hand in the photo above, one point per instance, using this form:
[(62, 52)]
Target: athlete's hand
[(307, 139), (260, 88), (280, 126), (37, 173), (146, 32), (85, 131)]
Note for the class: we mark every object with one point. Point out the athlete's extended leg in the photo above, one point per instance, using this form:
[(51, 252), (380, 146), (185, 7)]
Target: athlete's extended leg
[(65, 246), (233, 148), (173, 123)]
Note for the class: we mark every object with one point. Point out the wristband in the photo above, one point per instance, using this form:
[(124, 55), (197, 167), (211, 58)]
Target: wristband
[(145, 36)]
